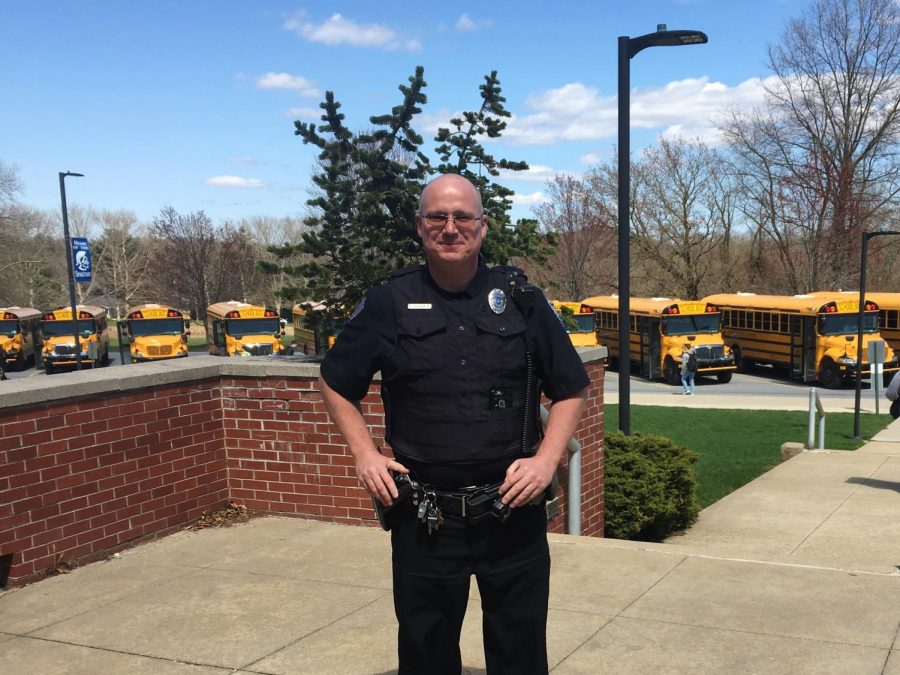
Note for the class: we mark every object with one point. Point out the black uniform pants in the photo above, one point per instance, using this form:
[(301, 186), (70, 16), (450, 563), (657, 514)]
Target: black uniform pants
[(432, 573)]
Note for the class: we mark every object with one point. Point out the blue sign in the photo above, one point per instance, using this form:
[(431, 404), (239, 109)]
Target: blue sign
[(81, 259)]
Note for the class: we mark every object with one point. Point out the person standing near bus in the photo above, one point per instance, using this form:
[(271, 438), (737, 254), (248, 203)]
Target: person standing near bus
[(461, 352), (688, 369), (2, 363)]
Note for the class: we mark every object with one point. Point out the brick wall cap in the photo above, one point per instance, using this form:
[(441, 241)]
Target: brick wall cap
[(29, 391)]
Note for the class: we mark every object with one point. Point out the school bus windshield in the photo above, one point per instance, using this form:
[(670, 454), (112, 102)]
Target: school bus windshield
[(239, 327), (690, 324), (138, 327), (63, 328), (9, 328), (847, 324), (579, 323)]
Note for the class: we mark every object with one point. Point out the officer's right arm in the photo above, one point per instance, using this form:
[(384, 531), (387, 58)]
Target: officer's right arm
[(358, 353), (372, 467)]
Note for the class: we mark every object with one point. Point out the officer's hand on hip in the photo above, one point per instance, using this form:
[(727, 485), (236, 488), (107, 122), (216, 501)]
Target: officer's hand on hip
[(526, 480), (374, 471)]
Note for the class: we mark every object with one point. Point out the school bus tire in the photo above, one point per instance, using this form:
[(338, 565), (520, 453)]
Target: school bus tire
[(830, 375), (20, 362), (724, 378), (671, 372), (743, 365), (48, 368)]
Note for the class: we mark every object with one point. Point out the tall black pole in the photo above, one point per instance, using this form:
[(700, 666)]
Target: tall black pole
[(65, 216), (859, 333), (624, 232)]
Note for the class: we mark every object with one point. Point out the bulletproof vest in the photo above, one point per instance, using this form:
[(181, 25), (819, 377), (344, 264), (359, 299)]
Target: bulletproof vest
[(458, 393)]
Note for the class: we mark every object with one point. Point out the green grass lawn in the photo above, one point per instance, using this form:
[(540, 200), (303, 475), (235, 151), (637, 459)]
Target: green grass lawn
[(736, 446)]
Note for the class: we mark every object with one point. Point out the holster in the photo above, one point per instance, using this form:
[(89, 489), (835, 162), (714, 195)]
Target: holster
[(407, 489)]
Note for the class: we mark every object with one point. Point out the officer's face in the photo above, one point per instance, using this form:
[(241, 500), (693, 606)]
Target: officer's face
[(450, 241)]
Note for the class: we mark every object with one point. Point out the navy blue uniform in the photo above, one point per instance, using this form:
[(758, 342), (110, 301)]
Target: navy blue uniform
[(455, 389)]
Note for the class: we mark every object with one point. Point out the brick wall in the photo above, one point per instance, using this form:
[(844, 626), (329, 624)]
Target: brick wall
[(83, 478), (83, 475)]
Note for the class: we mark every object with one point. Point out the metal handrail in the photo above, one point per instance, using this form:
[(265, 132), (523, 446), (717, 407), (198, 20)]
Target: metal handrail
[(815, 404), (573, 491)]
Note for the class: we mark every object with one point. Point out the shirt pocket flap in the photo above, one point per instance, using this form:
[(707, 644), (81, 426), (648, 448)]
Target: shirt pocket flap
[(420, 325), (504, 325)]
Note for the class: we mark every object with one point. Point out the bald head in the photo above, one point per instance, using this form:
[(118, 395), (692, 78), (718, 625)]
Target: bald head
[(454, 183)]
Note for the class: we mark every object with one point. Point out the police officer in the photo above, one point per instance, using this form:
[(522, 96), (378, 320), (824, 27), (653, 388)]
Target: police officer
[(464, 352)]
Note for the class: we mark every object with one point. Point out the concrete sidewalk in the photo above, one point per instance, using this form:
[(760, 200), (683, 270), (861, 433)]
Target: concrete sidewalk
[(796, 572)]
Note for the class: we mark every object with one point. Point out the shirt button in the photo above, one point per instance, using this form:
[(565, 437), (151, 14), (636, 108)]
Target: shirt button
[(502, 329), (462, 327), (462, 362)]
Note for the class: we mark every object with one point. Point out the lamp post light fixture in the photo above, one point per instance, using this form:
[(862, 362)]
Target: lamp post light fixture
[(65, 216), (628, 47), (859, 329)]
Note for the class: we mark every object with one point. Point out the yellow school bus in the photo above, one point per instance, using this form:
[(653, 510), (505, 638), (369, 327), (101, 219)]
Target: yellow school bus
[(155, 332), (58, 337), (240, 329), (578, 320), (18, 326), (888, 314), (319, 339), (813, 336), (659, 330)]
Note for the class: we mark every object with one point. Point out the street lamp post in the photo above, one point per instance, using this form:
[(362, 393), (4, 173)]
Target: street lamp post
[(859, 334), (65, 216), (628, 47)]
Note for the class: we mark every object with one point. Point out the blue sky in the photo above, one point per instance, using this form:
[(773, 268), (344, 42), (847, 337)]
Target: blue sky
[(190, 104)]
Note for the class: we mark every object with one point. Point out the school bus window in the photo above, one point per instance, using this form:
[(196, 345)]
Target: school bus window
[(690, 324), (62, 328), (240, 327), (767, 322), (157, 327), (843, 324)]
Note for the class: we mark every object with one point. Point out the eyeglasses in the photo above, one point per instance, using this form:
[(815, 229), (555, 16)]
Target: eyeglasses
[(441, 219)]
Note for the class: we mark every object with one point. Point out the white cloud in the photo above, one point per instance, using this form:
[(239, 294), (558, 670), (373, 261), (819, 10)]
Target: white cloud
[(533, 199), (235, 181), (305, 113), (536, 173), (466, 23), (576, 112), (296, 83), (590, 158), (340, 31)]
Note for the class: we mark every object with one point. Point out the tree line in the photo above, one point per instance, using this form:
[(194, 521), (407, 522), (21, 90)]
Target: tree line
[(777, 205)]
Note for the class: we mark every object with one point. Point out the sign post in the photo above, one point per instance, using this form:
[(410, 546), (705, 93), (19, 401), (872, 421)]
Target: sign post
[(876, 361)]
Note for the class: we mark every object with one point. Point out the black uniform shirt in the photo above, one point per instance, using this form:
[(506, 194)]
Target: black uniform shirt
[(369, 338)]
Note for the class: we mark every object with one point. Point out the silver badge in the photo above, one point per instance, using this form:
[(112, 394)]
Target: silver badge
[(497, 301)]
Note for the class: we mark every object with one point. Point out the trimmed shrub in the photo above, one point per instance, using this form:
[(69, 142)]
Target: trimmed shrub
[(650, 487)]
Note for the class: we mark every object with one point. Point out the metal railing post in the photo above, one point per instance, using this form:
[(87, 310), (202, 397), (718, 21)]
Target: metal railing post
[(573, 489), (815, 406)]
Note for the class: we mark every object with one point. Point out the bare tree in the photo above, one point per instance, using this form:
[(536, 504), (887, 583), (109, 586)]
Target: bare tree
[(122, 260), (682, 213), (819, 164), (583, 262), (10, 185), (197, 263), (267, 232)]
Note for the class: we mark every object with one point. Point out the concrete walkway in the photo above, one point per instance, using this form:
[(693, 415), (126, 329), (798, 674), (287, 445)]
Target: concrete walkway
[(797, 572)]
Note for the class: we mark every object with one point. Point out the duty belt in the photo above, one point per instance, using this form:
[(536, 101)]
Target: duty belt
[(473, 504)]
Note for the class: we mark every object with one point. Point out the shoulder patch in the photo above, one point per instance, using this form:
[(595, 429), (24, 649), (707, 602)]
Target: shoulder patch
[(359, 308)]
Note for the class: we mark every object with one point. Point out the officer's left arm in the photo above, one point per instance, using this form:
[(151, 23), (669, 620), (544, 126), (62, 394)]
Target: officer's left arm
[(565, 383), (528, 477)]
